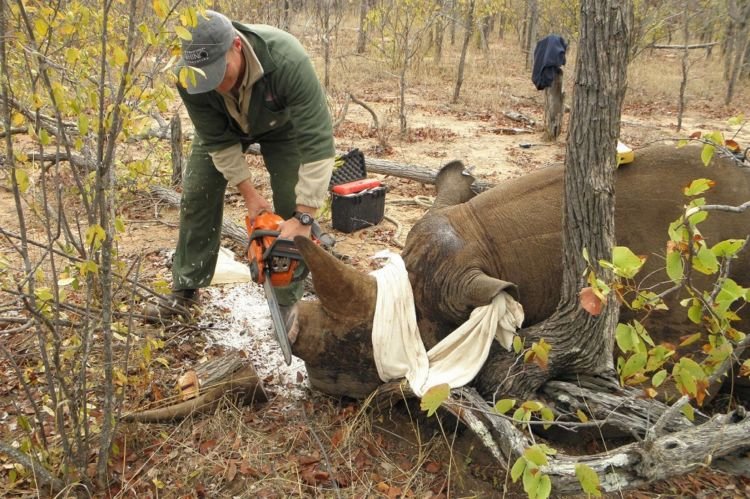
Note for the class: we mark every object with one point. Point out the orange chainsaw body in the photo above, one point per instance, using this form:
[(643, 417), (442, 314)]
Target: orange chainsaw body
[(262, 255)]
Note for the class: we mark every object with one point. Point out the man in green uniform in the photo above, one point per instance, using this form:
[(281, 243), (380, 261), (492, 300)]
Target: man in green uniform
[(252, 84)]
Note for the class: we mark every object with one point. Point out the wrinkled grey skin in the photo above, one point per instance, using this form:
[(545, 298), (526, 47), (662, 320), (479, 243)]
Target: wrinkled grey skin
[(468, 248)]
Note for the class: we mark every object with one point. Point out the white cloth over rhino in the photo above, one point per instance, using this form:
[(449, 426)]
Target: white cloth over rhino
[(455, 360)]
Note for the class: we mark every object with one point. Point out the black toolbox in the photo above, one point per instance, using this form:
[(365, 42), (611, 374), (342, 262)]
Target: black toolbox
[(356, 202)]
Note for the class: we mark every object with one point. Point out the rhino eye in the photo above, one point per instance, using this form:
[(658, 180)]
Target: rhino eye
[(204, 53)]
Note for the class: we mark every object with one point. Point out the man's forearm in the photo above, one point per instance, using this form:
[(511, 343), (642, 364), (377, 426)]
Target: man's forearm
[(254, 202)]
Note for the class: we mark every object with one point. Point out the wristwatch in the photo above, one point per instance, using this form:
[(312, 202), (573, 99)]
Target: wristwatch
[(304, 218)]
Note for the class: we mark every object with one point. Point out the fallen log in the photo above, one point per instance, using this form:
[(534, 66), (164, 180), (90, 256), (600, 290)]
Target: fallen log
[(230, 376), (402, 170)]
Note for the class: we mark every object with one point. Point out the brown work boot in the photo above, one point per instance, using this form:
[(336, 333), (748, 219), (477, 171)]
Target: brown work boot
[(176, 305)]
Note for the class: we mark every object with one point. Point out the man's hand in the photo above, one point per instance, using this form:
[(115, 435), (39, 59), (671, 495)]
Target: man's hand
[(254, 202), (293, 227)]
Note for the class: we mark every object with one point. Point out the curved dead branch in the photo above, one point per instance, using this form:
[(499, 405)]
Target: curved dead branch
[(233, 376)]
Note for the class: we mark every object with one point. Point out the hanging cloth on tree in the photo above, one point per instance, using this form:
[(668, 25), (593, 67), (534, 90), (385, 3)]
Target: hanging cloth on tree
[(549, 55)]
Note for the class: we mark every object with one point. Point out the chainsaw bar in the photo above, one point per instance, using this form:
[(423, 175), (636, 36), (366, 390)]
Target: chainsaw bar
[(278, 321)]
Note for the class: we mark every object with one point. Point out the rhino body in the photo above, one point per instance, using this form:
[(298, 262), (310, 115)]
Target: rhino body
[(459, 256)]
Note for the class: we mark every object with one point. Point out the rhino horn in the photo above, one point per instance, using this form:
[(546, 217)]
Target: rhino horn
[(344, 293), (453, 185)]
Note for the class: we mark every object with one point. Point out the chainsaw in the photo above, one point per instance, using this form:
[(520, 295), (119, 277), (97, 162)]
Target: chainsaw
[(273, 263)]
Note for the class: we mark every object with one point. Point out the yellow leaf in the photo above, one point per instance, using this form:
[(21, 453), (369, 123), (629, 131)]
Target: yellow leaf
[(120, 56), (40, 28), (160, 8), (17, 119), (582, 416), (22, 179), (183, 33)]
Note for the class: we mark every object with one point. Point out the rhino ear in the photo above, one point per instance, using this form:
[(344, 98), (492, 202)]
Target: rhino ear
[(453, 185), (344, 292), (481, 288)]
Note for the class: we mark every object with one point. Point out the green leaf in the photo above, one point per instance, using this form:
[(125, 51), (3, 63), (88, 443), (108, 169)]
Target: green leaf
[(658, 378), (545, 487), (705, 261), (535, 455), (725, 249), (547, 415), (695, 312), (675, 267), (517, 344), (677, 231), (518, 468), (627, 264), (504, 405), (634, 364), (624, 337), (119, 225), (689, 412), (44, 138), (519, 414), (642, 333), (707, 154), (83, 124), (698, 187), (531, 479), (588, 479), (735, 120), (434, 397), (95, 235)]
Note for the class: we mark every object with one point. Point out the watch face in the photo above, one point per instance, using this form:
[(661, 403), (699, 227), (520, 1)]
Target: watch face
[(305, 218)]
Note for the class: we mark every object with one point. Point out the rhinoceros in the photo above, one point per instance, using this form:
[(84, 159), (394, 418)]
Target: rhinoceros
[(468, 248)]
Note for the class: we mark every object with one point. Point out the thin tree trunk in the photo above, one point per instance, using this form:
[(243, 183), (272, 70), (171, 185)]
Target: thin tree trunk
[(553, 108), (685, 55), (439, 33), (364, 7), (531, 32), (741, 48), (468, 30), (177, 141)]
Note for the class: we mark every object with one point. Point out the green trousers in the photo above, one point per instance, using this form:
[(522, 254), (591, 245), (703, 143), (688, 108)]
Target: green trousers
[(202, 209)]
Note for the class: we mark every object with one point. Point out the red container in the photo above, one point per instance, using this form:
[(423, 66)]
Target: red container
[(356, 186)]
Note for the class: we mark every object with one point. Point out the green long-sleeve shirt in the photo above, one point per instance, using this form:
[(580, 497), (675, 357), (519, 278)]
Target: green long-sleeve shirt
[(286, 101)]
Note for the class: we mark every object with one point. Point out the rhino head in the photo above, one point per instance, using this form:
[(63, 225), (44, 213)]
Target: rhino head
[(335, 332)]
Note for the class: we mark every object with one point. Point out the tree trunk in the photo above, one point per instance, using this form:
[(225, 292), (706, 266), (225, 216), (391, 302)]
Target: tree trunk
[(364, 7), (553, 108), (176, 138), (684, 65), (464, 49), (741, 45), (581, 343), (439, 33), (531, 32)]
